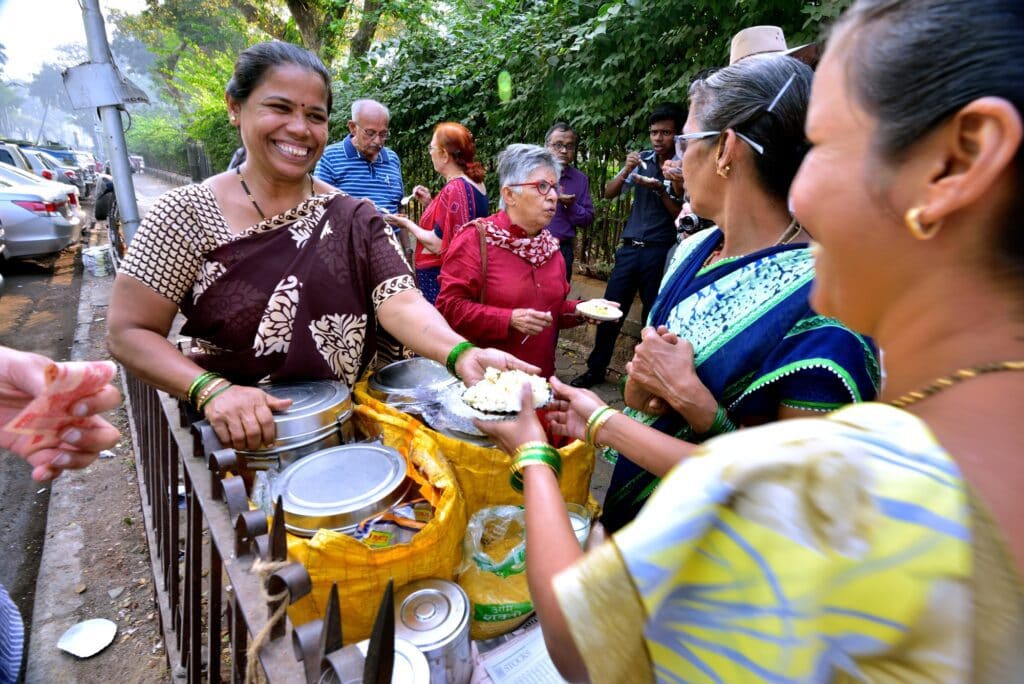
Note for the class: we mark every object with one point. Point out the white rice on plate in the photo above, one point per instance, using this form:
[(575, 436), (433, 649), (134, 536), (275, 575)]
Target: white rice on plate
[(498, 392)]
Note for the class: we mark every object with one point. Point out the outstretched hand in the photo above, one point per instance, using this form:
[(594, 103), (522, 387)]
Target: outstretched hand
[(475, 361), (571, 408), (525, 427), (22, 379)]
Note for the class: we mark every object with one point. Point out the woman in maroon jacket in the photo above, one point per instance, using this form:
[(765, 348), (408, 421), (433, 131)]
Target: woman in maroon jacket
[(503, 280)]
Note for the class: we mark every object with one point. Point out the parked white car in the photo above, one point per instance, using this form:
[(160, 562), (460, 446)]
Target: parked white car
[(37, 219), (17, 176)]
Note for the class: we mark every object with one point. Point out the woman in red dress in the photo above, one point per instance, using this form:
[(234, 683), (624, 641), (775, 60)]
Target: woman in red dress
[(462, 199), (503, 281)]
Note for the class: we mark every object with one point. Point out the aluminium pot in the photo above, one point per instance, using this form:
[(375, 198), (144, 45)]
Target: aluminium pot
[(319, 418), (410, 384), (337, 488)]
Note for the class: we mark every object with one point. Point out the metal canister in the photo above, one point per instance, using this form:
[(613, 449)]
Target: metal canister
[(410, 666), (319, 418), (336, 488), (434, 615)]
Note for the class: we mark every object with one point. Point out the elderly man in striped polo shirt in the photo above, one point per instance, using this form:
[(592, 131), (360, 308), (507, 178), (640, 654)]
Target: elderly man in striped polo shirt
[(361, 165)]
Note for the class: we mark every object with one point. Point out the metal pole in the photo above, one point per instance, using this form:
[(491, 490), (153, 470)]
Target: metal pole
[(110, 115)]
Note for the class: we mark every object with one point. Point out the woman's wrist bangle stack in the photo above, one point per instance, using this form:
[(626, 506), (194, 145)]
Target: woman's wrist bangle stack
[(205, 387), (533, 453), (598, 418), (211, 392), (455, 353), (721, 424)]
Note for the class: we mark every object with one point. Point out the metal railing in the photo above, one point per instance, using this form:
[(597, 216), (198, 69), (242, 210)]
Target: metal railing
[(204, 542)]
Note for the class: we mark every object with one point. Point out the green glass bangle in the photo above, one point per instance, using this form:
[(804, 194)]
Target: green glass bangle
[(721, 424), (455, 353), (553, 462), (516, 478), (197, 385)]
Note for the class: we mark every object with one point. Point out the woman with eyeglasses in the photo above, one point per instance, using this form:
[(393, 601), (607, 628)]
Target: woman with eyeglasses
[(461, 200), (503, 279), (731, 340), (882, 542)]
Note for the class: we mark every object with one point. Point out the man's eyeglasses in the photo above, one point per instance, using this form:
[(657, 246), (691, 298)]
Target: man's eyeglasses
[(681, 140), (562, 147), (383, 135), (543, 187)]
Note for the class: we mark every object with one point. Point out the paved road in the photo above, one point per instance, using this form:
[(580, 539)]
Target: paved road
[(39, 312)]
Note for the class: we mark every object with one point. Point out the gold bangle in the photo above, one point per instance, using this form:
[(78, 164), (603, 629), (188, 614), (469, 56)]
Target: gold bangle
[(208, 389), (599, 423)]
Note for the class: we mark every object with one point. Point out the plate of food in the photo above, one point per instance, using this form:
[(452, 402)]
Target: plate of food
[(599, 310), (497, 395)]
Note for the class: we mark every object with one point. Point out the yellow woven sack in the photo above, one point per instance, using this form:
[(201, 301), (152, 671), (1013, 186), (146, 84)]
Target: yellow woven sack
[(483, 473), (362, 572)]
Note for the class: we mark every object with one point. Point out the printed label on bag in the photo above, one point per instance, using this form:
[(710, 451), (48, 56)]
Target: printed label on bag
[(513, 564), (378, 539), (499, 612)]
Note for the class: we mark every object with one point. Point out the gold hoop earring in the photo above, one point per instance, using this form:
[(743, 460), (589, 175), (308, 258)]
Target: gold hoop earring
[(724, 172), (912, 219)]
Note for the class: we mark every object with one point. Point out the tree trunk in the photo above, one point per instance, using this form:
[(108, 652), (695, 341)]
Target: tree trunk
[(310, 19), (361, 42), (264, 20), (167, 75), (42, 125)]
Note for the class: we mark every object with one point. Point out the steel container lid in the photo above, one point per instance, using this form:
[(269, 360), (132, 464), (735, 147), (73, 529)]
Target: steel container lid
[(411, 666), (336, 488), (293, 443), (414, 379), (316, 406), (431, 613)]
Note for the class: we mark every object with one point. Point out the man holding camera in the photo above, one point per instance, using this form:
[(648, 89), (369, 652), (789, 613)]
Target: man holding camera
[(649, 233)]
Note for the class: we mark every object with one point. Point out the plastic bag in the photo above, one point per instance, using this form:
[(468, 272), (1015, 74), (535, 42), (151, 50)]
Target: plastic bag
[(483, 472), (493, 571), (362, 572)]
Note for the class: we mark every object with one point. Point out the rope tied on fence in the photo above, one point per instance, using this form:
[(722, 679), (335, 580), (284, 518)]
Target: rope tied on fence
[(264, 569)]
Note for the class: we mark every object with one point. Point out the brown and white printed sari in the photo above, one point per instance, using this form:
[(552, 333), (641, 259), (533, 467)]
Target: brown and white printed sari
[(292, 297)]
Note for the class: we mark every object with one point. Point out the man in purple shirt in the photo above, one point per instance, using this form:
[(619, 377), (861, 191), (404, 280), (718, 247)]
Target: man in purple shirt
[(575, 208)]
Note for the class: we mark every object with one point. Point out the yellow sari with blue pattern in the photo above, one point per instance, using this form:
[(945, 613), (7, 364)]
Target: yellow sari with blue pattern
[(810, 550)]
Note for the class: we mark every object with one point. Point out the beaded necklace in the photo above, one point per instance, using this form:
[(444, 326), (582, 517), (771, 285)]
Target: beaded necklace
[(948, 381)]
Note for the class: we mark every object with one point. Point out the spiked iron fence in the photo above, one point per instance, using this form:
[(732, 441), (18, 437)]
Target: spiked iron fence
[(204, 544)]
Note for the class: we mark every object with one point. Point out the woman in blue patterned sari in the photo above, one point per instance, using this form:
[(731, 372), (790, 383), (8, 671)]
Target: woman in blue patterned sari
[(881, 543), (733, 341)]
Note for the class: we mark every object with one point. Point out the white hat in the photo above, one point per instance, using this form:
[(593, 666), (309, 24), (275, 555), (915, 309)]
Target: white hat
[(759, 40)]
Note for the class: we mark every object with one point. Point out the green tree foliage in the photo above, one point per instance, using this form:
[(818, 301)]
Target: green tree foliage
[(157, 136), (600, 66)]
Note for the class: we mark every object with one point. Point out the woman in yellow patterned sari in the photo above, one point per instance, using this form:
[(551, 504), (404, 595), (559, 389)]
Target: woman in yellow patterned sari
[(882, 543)]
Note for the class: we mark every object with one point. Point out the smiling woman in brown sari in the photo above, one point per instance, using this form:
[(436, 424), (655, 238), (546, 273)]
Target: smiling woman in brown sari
[(279, 275)]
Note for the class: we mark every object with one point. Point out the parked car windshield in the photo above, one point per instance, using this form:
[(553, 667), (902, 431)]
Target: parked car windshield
[(13, 174), (51, 162)]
